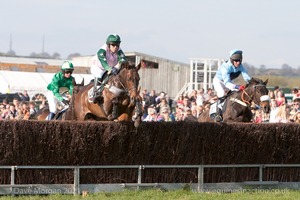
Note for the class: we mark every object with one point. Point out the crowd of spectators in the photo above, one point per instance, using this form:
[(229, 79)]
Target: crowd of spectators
[(282, 111), (21, 107), (188, 107)]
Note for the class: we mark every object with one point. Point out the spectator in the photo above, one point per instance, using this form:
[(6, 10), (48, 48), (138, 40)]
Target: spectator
[(12, 113), (32, 108), (295, 109), (161, 95), (280, 98), (276, 89), (163, 104), (152, 116), (24, 96), (179, 113), (200, 97), (180, 99), (166, 115), (274, 110), (282, 114), (295, 93), (189, 117), (152, 98)]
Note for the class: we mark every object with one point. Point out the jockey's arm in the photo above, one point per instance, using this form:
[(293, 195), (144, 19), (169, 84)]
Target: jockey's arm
[(226, 79), (102, 58), (57, 94)]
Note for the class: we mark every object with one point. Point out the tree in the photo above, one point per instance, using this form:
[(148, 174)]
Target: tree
[(262, 69), (56, 55), (286, 70), (73, 55)]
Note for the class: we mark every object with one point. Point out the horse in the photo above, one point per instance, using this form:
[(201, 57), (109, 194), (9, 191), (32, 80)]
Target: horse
[(238, 105), (121, 93)]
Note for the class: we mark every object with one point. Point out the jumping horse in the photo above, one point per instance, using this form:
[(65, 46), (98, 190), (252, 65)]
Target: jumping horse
[(120, 94), (237, 105)]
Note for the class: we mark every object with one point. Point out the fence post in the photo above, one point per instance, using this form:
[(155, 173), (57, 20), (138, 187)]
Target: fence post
[(200, 178), (76, 181), (261, 173), (139, 176), (12, 179)]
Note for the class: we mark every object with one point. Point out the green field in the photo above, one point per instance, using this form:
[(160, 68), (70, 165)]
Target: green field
[(173, 195)]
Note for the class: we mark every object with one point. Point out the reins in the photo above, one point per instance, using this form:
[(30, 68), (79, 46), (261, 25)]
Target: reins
[(123, 86), (246, 102)]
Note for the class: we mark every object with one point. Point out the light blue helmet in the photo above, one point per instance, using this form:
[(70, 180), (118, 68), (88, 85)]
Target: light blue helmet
[(236, 54)]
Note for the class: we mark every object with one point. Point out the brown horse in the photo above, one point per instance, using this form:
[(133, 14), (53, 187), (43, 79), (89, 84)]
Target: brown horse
[(237, 105), (121, 91)]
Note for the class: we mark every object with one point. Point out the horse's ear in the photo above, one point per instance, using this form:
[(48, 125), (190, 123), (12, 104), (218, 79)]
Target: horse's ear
[(266, 82), (82, 82)]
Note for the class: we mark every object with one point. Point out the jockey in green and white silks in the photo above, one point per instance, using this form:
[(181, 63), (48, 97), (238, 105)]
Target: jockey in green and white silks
[(108, 59), (61, 81), (229, 71)]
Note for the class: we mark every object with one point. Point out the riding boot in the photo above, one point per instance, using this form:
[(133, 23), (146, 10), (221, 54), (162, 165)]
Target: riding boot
[(51, 116), (93, 93), (218, 117)]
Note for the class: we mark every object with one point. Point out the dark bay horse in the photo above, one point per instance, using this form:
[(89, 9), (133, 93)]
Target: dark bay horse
[(237, 105), (121, 91)]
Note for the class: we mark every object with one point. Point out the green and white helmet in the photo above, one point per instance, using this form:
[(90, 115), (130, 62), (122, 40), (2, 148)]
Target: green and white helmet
[(67, 66), (113, 38)]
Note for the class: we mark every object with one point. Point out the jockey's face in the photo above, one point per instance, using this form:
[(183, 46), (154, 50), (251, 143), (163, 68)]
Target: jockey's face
[(114, 47), (67, 74), (236, 63)]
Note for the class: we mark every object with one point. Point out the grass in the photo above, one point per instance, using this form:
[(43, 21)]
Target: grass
[(171, 195)]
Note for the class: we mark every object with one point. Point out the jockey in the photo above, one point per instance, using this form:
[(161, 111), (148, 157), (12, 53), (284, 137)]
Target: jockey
[(61, 82), (108, 59), (228, 71)]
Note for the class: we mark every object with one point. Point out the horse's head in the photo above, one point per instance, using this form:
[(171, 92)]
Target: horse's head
[(257, 91), (129, 79)]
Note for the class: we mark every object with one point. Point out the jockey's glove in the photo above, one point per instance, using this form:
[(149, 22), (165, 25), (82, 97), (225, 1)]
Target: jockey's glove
[(114, 70), (239, 87), (66, 102)]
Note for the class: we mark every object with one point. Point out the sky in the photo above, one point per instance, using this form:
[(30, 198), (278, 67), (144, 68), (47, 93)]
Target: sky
[(267, 31)]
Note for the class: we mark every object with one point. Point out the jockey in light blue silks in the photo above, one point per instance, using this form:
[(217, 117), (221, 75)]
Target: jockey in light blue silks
[(108, 59), (228, 71), (62, 82)]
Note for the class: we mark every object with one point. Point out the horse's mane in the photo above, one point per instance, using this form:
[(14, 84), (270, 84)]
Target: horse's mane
[(255, 81), (129, 65)]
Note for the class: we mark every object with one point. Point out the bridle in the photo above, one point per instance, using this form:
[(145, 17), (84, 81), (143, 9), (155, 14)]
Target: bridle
[(251, 98), (127, 90)]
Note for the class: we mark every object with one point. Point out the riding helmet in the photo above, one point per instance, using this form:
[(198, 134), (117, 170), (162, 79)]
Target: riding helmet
[(113, 39), (236, 54), (67, 66)]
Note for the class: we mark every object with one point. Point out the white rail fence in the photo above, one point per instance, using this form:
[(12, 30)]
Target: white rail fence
[(77, 188)]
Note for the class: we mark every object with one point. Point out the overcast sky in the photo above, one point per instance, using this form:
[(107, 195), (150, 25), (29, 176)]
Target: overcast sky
[(267, 31)]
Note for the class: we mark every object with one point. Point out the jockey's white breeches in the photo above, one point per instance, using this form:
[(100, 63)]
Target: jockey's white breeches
[(52, 101), (219, 87)]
